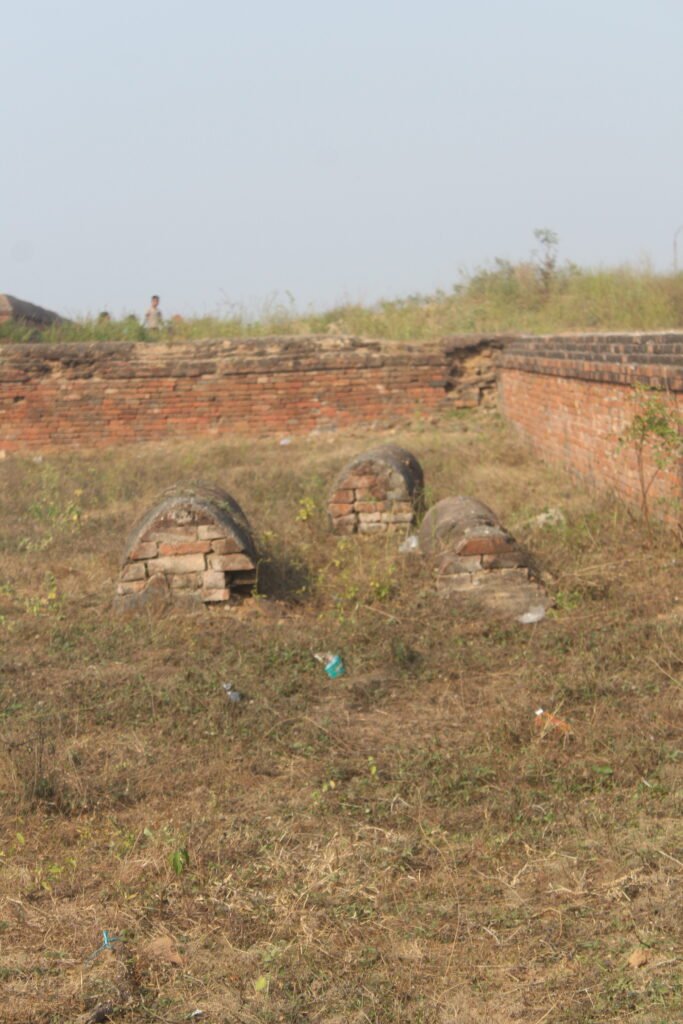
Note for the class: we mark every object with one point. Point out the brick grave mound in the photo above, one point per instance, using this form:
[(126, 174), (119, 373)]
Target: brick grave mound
[(474, 556), (194, 546), (378, 491)]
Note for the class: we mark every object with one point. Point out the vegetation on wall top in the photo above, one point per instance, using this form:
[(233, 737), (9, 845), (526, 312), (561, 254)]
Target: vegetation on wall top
[(539, 295)]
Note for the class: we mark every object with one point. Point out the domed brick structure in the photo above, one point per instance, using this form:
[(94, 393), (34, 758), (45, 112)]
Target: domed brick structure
[(473, 555), (194, 545), (468, 528), (378, 491)]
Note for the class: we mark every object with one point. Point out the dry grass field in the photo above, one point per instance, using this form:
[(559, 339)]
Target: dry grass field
[(398, 845), (541, 295)]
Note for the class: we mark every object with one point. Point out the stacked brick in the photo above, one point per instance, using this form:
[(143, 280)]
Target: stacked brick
[(654, 359), (194, 546), (105, 393), (472, 554), (572, 398), (379, 491)]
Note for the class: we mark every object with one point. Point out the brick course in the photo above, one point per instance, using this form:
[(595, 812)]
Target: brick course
[(90, 395), (572, 397)]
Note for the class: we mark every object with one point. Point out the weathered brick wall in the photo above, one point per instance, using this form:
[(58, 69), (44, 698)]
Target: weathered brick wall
[(573, 396), (104, 393)]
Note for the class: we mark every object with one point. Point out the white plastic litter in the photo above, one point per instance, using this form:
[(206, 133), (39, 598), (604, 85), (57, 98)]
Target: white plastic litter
[(550, 517), (535, 614), (410, 545)]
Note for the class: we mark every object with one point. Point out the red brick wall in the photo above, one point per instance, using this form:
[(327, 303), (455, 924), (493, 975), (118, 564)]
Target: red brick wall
[(104, 393), (573, 397)]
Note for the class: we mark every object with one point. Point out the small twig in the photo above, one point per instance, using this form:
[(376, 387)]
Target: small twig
[(281, 721), (592, 568), (669, 857), (157, 1016), (665, 673), (665, 963), (546, 1014), (335, 739), (379, 611)]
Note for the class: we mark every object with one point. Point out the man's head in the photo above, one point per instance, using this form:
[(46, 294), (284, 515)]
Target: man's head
[(155, 301)]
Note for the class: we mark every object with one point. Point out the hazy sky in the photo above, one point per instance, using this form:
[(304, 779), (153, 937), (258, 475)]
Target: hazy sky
[(220, 152)]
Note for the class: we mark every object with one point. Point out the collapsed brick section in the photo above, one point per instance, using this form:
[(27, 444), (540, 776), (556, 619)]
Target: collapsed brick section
[(473, 555), (194, 545), (377, 492)]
